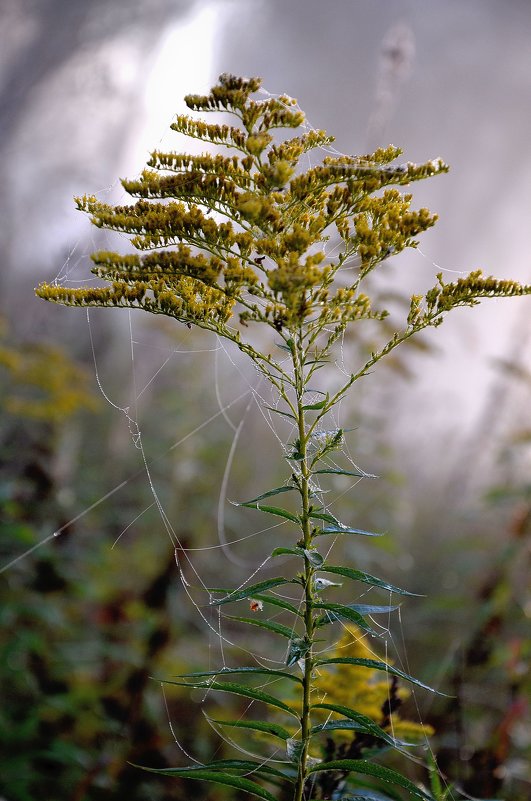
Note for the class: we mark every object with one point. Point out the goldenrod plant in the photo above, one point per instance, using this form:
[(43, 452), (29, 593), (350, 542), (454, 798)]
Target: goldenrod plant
[(240, 239)]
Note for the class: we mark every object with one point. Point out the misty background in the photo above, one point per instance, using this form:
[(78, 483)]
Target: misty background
[(87, 89)]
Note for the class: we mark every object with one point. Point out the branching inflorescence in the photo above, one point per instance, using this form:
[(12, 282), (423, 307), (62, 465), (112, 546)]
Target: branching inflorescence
[(230, 240)]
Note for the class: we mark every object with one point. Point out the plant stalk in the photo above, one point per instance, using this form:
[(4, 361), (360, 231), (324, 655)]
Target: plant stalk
[(300, 383)]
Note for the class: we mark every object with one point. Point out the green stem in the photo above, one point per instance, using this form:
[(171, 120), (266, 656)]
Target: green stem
[(309, 620)]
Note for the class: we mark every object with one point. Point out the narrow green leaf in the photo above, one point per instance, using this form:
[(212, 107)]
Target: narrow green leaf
[(368, 797), (338, 725), (272, 510), (237, 689), (313, 556), (204, 774), (277, 411), (248, 765), (339, 472), (315, 407), (224, 671), (351, 725), (268, 494), (284, 551), (247, 592), (328, 518), (256, 725), (335, 612), (370, 609), (375, 664), (359, 575), (347, 530), (280, 602), (277, 628), (369, 726), (367, 786), (373, 769)]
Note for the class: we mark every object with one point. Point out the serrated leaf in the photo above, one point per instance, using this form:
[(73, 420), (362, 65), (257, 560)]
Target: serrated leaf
[(347, 530), (373, 769), (366, 578), (224, 671), (268, 494), (239, 595), (339, 472), (271, 510), (369, 726), (277, 628), (376, 665), (237, 689), (256, 725), (216, 777), (335, 612)]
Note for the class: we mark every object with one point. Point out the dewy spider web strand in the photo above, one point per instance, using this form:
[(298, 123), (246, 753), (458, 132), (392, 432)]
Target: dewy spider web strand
[(172, 534), (120, 486), (171, 531)]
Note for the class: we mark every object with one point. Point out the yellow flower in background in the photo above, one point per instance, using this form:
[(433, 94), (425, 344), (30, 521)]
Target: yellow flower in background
[(41, 382), (370, 691)]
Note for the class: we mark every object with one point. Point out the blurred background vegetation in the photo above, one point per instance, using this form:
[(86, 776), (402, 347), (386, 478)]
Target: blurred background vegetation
[(92, 618)]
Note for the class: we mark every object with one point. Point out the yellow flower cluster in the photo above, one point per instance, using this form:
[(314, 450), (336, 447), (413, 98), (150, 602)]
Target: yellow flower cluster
[(466, 291), (385, 225), (364, 689), (187, 300), (293, 281), (247, 230)]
